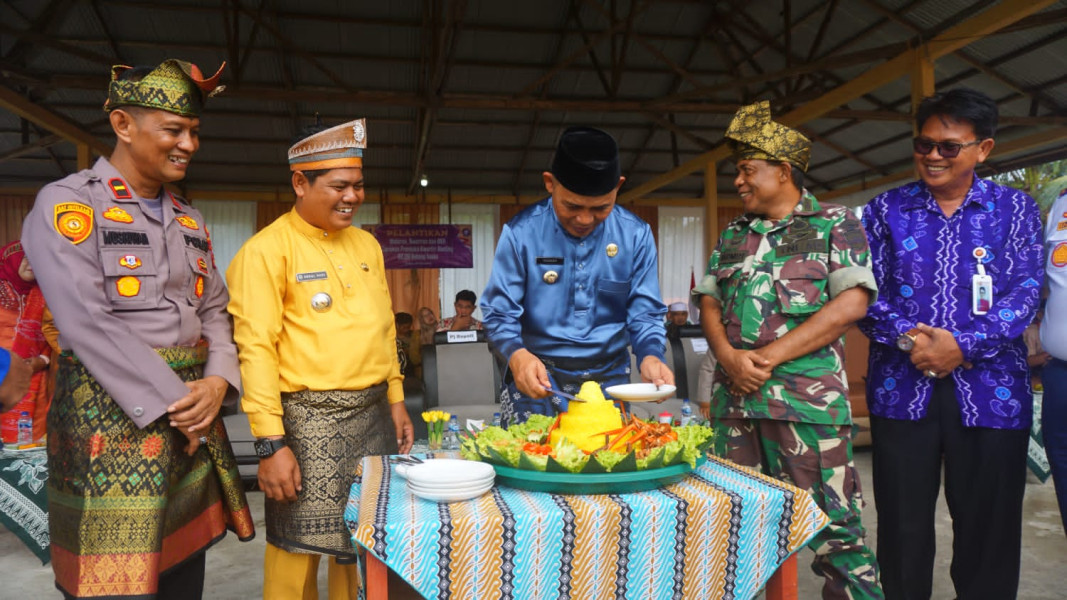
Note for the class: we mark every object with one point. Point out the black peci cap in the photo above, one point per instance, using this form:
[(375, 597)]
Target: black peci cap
[(587, 161)]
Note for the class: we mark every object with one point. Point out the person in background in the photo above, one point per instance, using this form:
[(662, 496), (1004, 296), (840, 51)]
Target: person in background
[(462, 321), (141, 476), (409, 344), (1054, 341), (573, 284), (677, 316), (785, 282), (22, 311), (15, 377), (318, 355), (427, 325), (948, 385)]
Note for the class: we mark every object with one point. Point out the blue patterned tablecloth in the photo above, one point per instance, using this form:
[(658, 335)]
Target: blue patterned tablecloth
[(23, 499), (720, 533)]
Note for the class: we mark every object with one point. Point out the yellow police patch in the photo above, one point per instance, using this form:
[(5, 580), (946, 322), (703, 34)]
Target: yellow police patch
[(202, 265), (74, 221), (128, 286), (187, 221), (1061, 225), (118, 215), (199, 287), (1059, 255)]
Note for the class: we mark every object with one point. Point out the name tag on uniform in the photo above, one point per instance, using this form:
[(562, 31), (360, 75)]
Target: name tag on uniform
[(313, 276), (550, 260), (459, 337)]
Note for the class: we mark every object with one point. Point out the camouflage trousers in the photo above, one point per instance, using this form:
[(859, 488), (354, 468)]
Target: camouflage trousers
[(816, 458)]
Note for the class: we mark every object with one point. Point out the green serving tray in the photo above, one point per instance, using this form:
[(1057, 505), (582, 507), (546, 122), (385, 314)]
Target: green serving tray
[(592, 483)]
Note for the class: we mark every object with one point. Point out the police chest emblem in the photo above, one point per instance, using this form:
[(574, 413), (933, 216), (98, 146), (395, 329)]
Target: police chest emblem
[(1059, 255), (74, 221), (128, 286), (118, 215), (187, 222), (202, 265), (130, 261)]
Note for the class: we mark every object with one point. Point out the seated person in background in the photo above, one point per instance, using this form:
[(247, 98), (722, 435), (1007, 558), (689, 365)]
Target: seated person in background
[(21, 312), (677, 315), (463, 320), (408, 342), (427, 325)]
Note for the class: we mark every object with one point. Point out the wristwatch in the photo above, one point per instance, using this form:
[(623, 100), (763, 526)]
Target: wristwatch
[(906, 341), (266, 448)]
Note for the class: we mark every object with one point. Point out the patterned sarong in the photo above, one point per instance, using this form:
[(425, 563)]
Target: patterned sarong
[(127, 504), (329, 432)]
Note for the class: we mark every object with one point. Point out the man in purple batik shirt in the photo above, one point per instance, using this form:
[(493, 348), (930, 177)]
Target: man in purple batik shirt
[(946, 381)]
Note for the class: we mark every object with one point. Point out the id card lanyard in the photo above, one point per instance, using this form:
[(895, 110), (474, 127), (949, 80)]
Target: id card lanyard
[(981, 286)]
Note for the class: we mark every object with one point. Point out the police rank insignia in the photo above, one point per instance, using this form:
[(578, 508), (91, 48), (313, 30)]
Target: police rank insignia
[(187, 222), (128, 286), (202, 265), (199, 289), (119, 189), (74, 221), (118, 215), (612, 250), (130, 261)]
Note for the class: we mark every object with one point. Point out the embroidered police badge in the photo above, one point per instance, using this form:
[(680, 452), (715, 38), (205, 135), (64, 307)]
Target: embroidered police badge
[(73, 221)]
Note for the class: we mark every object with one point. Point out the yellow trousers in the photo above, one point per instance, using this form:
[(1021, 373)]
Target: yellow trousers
[(288, 576)]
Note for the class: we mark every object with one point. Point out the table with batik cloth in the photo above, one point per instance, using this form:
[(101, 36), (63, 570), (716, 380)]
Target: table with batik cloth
[(23, 498), (722, 532)]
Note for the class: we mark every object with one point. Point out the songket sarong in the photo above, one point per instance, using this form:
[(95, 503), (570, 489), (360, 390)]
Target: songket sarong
[(329, 432), (127, 504)]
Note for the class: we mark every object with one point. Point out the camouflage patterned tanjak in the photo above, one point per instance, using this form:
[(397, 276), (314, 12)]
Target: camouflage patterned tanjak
[(752, 134), (770, 276), (174, 86)]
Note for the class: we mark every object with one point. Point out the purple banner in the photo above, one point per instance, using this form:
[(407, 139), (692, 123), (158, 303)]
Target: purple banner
[(425, 246)]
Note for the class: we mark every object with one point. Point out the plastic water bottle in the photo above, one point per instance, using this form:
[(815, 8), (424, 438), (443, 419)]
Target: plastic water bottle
[(452, 438), (687, 412), (25, 428), (496, 419)]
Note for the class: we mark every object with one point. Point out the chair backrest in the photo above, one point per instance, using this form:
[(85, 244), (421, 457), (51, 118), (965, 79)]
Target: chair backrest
[(459, 372)]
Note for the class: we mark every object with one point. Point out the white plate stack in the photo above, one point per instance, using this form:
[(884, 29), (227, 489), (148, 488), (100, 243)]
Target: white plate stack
[(448, 479)]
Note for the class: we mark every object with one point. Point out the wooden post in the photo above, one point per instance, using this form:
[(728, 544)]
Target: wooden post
[(378, 578), (922, 82), (711, 210), (85, 156), (783, 584)]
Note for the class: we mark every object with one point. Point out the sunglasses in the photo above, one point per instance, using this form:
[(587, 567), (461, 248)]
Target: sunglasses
[(945, 149)]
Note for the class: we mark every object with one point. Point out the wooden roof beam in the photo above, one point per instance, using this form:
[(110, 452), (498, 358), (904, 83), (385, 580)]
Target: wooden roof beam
[(35, 113), (949, 41)]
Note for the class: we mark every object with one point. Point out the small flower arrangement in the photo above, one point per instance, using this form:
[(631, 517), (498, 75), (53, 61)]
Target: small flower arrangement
[(435, 426)]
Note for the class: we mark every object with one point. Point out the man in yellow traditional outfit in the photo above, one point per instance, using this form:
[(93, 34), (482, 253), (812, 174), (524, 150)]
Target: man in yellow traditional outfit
[(141, 477), (314, 327)]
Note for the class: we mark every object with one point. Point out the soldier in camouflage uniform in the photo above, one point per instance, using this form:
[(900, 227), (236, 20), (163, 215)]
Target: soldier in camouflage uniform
[(786, 280)]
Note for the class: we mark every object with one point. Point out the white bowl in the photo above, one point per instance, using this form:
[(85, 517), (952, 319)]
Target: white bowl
[(640, 392), (449, 471)]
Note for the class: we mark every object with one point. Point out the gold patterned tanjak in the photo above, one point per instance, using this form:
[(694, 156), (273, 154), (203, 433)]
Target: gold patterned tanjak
[(752, 134), (174, 86), (335, 148)]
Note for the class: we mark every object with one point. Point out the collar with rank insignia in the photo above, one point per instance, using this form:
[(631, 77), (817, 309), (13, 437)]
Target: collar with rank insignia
[(119, 189)]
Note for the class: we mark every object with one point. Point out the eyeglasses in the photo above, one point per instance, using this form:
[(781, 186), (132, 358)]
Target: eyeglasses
[(945, 149)]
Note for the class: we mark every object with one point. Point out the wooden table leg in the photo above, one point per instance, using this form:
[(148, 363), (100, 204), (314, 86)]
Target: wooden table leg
[(377, 578), (783, 584)]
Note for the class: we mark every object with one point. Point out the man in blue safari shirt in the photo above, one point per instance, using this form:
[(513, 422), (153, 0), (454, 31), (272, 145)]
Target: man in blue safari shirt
[(573, 283), (947, 381)]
